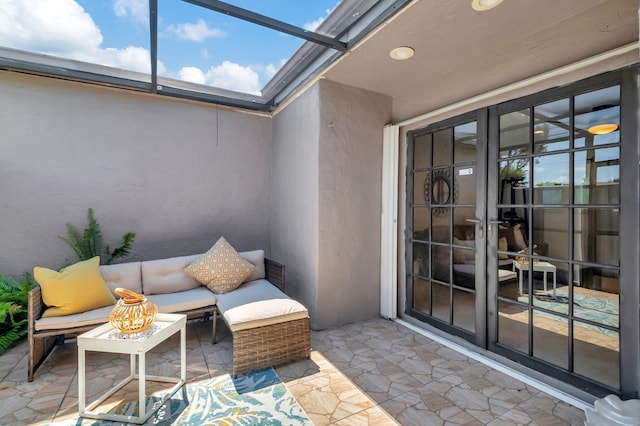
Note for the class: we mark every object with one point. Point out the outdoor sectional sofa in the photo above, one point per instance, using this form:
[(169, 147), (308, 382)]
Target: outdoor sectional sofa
[(268, 327)]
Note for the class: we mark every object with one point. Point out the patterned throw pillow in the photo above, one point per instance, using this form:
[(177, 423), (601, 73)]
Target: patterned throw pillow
[(221, 269)]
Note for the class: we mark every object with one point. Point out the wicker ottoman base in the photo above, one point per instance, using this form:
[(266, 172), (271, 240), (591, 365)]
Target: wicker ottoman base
[(271, 345)]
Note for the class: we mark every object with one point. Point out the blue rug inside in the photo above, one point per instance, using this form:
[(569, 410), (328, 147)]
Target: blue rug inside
[(587, 307)]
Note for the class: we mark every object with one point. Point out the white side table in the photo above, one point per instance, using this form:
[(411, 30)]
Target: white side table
[(537, 267), (107, 339)]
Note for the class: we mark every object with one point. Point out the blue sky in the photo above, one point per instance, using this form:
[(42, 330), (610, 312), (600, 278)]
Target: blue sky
[(194, 44)]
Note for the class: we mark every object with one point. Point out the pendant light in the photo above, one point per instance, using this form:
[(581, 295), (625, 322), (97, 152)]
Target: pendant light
[(603, 120)]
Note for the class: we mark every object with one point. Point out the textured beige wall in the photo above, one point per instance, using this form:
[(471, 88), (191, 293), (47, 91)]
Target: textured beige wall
[(304, 185), (178, 173), (350, 194), (326, 200), (294, 200)]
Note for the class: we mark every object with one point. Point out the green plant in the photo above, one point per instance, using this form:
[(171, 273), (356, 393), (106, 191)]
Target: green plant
[(88, 244), (14, 298), (513, 170)]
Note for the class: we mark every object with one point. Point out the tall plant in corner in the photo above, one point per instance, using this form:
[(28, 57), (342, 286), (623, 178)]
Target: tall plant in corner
[(88, 244)]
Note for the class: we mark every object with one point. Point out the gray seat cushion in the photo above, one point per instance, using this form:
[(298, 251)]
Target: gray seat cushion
[(257, 304), (184, 300)]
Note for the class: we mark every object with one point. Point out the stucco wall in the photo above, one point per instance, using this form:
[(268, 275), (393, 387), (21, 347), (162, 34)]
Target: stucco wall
[(350, 194), (304, 185), (326, 200), (294, 222), (178, 173)]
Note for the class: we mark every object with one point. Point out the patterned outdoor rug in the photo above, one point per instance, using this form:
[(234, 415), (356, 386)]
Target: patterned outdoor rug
[(258, 398)]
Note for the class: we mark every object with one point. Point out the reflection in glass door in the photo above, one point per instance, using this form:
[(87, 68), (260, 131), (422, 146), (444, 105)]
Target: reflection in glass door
[(559, 201), (443, 217), (527, 264)]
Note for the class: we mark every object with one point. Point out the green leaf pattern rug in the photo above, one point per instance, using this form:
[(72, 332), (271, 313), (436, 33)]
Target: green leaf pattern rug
[(257, 398)]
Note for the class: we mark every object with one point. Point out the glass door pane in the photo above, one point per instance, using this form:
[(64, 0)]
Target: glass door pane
[(558, 252), (528, 263), (442, 287)]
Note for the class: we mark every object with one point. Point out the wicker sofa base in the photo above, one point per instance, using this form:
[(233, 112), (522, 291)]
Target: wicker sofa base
[(271, 345)]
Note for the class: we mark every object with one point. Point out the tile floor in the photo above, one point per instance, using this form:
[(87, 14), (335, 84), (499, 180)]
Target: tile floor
[(371, 373)]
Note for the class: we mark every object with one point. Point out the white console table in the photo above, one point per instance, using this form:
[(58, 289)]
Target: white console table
[(544, 267), (107, 339)]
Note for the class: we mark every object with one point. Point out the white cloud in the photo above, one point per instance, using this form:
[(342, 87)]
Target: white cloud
[(131, 58), (268, 70), (193, 75), (194, 32), (233, 76), (313, 25), (228, 75), (47, 26), (137, 9), (271, 70), (63, 28)]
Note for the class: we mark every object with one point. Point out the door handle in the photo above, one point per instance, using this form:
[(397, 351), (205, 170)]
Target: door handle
[(479, 223), (492, 222)]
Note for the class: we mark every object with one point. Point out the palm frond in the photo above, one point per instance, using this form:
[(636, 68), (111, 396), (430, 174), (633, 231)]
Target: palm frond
[(15, 292), (14, 297), (8, 284), (88, 244), (92, 236), (123, 250), (74, 240), (11, 336), (4, 311)]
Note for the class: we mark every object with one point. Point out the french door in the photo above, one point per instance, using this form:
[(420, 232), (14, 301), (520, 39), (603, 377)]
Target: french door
[(447, 228), (514, 231)]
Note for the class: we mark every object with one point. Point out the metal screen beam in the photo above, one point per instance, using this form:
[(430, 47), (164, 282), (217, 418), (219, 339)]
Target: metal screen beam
[(153, 33), (265, 21)]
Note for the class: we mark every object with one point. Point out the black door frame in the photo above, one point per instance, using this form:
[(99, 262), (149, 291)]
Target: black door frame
[(478, 338), (486, 299)]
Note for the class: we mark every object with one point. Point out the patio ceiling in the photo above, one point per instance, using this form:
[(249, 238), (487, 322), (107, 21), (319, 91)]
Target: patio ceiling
[(460, 53)]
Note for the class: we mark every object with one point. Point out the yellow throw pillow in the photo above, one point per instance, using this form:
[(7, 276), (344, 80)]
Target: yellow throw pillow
[(502, 246), (75, 289), (221, 269)]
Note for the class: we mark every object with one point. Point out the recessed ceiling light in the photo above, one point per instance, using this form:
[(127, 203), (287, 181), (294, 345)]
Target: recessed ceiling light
[(402, 53), (482, 5)]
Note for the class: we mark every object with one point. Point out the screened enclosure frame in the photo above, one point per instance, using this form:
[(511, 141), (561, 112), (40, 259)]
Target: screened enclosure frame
[(351, 21)]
